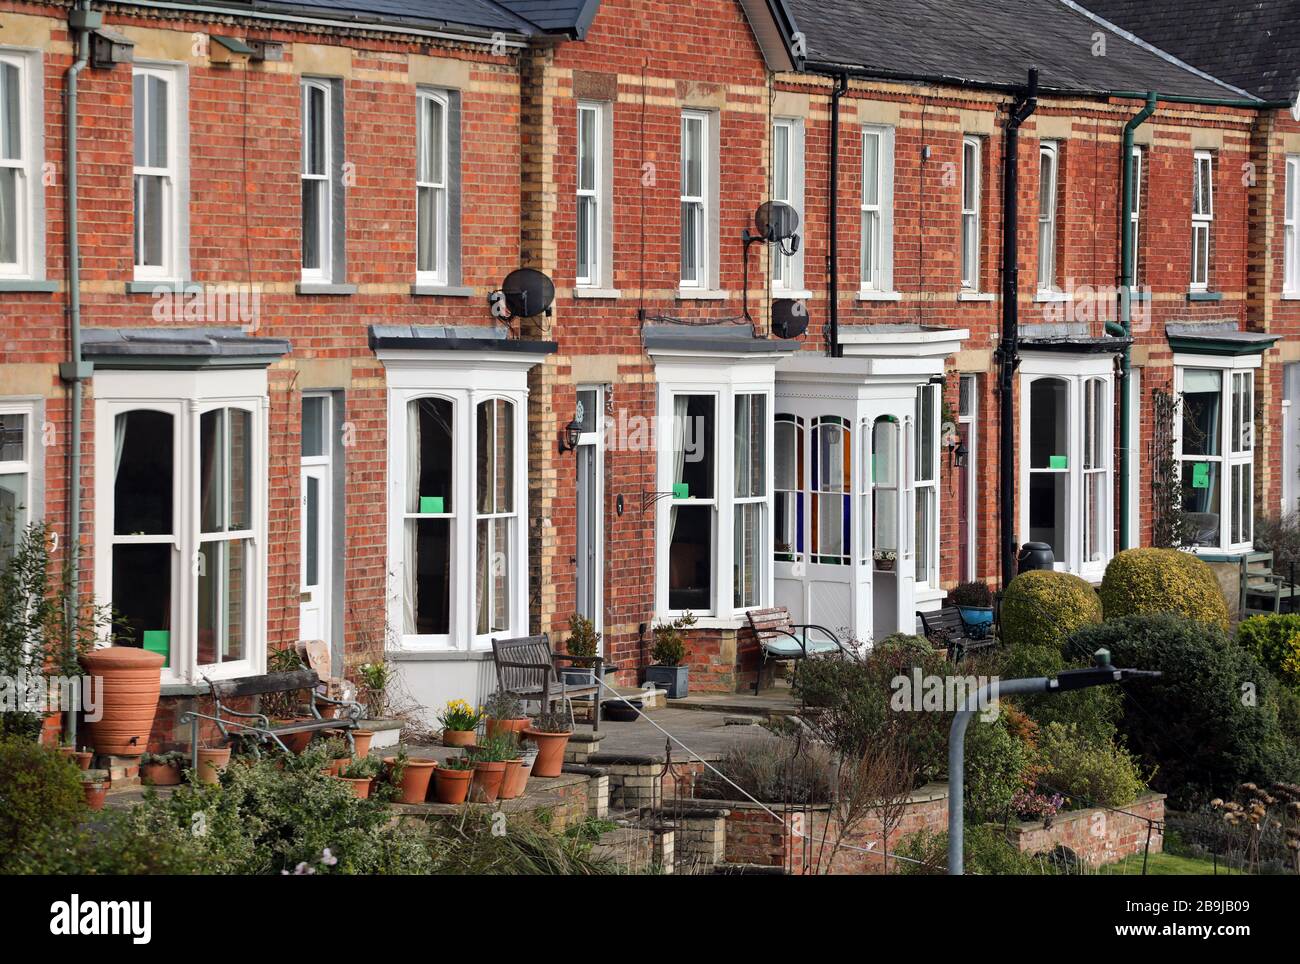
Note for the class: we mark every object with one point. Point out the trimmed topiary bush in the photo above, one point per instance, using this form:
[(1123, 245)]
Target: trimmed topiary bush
[(1210, 723), (1042, 608), (1141, 581), (1275, 642)]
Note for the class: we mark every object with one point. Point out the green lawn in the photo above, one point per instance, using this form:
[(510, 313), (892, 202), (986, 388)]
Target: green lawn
[(1166, 865)]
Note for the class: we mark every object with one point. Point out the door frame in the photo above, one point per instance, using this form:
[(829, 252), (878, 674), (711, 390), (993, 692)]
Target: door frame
[(323, 465), (595, 440)]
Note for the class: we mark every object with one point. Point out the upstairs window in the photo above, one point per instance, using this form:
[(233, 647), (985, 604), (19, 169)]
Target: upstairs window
[(1135, 216), (1048, 158), (431, 189), (788, 188), (159, 207), (1202, 218), (1291, 228), (590, 177), (971, 169), (21, 214), (695, 242), (317, 180), (877, 209)]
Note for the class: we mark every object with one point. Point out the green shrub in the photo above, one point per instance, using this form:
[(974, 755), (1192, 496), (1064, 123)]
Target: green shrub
[(1094, 710), (774, 770), (40, 801), (1280, 535), (984, 851), (1139, 581), (1275, 642), (998, 763), (1210, 722), (1088, 773), (1042, 607)]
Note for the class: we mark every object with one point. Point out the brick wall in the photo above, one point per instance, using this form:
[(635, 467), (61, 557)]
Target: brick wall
[(1097, 836)]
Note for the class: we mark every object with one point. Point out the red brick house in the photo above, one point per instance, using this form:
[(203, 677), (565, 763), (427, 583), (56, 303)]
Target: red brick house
[(303, 415)]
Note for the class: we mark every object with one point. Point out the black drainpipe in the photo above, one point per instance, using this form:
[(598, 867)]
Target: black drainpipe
[(832, 249), (1008, 352)]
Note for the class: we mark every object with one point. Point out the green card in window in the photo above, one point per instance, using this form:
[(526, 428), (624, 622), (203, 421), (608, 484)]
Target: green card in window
[(1058, 461), (159, 641), (1200, 475), (431, 503), (681, 490)]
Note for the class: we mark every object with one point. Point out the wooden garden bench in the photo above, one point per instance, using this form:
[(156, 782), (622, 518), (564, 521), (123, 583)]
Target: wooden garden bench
[(525, 667), (1262, 589), (945, 629), (780, 638), (236, 723)]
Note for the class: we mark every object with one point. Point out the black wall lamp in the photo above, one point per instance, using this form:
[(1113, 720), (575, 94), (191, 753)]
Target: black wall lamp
[(572, 431)]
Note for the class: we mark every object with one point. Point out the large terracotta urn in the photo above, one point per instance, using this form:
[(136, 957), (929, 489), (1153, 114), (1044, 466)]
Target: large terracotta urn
[(128, 696)]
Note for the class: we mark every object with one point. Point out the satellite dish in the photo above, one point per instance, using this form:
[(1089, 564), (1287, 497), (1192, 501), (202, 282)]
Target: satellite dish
[(776, 221), (527, 292), (789, 318)]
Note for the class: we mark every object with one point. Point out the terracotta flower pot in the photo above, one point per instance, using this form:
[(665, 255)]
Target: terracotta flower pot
[(487, 782), (212, 761), (506, 726), (415, 778), (160, 774), (327, 711), (550, 751), (131, 684), (67, 752), (296, 742), (451, 786), (511, 785), (95, 786), (458, 738), (84, 757), (360, 786), (361, 740), (51, 726), (337, 767)]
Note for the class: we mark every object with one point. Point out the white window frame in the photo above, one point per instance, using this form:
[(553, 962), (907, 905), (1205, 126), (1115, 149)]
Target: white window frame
[(1202, 220), (877, 219), (591, 196), (438, 276), (703, 266), (762, 500), (186, 395), (1135, 219), (724, 378), (173, 175), (972, 167), (464, 379), (1237, 443), (322, 273), (31, 465), (970, 419), (926, 491), (1291, 228), (787, 270), (29, 234), (324, 584), (1047, 220), (1077, 371), (510, 516)]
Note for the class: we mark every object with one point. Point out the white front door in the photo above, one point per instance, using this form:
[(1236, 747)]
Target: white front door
[(316, 514)]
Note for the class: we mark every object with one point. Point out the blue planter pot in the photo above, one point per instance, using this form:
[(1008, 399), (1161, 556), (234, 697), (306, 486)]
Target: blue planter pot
[(671, 678), (978, 620)]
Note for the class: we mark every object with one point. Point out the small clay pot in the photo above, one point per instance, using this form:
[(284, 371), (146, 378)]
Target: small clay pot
[(84, 758), (486, 786), (451, 786), (459, 738), (415, 778), (360, 786), (160, 774), (505, 726), (212, 761), (361, 740), (550, 751), (511, 785), (94, 784)]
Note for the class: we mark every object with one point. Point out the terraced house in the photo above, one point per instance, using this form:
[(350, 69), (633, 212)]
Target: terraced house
[(262, 366)]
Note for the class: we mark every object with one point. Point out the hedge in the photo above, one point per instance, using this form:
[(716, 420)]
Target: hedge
[(1275, 642), (1043, 607), (1149, 580)]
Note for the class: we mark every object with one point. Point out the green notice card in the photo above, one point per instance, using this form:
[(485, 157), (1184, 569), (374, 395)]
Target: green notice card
[(431, 503), (1058, 462), (159, 641), (1200, 475), (681, 490)]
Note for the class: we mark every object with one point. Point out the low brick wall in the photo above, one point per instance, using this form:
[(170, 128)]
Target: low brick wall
[(1096, 835), (711, 656), (802, 841)]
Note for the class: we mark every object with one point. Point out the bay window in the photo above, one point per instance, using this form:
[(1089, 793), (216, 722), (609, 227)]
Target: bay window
[(692, 536), (19, 470), (1216, 453), (883, 478), (926, 486), (495, 514), (788, 485), (1202, 218), (750, 474), (1067, 501)]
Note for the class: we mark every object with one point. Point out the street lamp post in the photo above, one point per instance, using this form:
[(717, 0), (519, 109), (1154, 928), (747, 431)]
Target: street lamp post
[(1100, 674)]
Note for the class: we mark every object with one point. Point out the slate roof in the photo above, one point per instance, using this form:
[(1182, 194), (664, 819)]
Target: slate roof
[(571, 17), (1252, 44), (990, 43), (515, 17)]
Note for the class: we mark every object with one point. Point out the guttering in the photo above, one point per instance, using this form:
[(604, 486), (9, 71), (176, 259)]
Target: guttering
[(1125, 327), (833, 347), (1008, 352), (81, 20), (442, 31)]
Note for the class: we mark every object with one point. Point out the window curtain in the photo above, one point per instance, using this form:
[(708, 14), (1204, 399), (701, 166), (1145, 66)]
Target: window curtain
[(679, 452), (410, 562), (119, 442)]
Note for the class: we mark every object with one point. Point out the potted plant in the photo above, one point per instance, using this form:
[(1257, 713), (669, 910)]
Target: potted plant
[(517, 772), (94, 784), (583, 642), (162, 769), (669, 653), (550, 732), (884, 559), (411, 775), (504, 713), (360, 772), (336, 751), (974, 601), (212, 761), (490, 758), (459, 722), (451, 780)]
